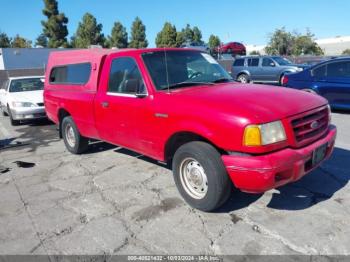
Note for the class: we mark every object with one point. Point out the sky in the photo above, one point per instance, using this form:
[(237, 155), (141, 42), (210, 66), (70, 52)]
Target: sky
[(247, 21)]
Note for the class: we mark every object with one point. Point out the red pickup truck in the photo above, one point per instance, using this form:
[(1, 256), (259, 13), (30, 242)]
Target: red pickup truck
[(181, 106)]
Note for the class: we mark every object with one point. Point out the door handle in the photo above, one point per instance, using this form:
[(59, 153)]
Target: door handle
[(105, 104)]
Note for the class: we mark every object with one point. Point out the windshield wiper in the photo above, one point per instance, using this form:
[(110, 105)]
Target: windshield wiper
[(222, 80), (184, 84)]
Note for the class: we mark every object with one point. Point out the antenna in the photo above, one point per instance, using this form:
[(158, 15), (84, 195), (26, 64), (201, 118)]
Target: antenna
[(166, 69)]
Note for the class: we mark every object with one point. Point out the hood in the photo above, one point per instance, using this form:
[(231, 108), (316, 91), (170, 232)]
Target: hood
[(28, 96), (258, 103), (303, 66)]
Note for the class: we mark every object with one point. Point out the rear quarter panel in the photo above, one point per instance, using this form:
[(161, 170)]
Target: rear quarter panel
[(77, 100)]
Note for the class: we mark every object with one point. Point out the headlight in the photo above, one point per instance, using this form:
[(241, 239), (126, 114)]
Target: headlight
[(23, 104), (265, 134)]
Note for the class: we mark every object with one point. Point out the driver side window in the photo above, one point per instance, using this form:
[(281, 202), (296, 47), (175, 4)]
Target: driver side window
[(125, 77), (267, 62)]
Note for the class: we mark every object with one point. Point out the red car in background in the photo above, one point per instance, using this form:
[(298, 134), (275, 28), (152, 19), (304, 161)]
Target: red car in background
[(233, 48)]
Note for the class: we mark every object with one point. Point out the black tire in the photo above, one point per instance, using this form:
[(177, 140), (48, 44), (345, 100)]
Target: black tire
[(243, 78), (219, 185), (280, 81), (12, 121), (3, 111), (81, 143)]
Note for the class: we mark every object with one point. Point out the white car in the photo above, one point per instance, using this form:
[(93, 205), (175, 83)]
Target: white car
[(21, 98)]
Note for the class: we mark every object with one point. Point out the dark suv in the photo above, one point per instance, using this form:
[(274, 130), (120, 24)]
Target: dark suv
[(263, 69)]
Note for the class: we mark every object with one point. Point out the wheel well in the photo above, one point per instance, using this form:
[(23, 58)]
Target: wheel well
[(180, 139), (242, 73), (62, 113)]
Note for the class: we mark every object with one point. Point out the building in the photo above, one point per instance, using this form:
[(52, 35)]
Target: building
[(334, 46), (330, 46), (23, 62)]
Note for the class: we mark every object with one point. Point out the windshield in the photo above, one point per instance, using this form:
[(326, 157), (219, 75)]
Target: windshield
[(177, 68), (282, 61), (28, 84)]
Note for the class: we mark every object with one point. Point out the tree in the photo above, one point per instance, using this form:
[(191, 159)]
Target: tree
[(188, 33), (41, 40), (119, 36), (55, 27), (254, 52), (286, 43), (305, 45), (167, 37), (20, 42), (89, 32), (180, 39), (138, 34), (346, 52), (197, 35), (281, 43), (214, 41), (5, 41)]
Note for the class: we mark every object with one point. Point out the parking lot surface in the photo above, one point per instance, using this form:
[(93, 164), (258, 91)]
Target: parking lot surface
[(113, 201)]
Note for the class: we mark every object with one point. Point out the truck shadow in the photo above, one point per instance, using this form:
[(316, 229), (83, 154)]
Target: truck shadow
[(318, 186)]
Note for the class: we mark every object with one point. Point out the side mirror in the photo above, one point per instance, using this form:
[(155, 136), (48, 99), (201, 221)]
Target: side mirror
[(272, 64), (134, 86)]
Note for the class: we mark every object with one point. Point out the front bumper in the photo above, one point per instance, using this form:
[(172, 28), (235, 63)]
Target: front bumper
[(23, 113), (257, 174)]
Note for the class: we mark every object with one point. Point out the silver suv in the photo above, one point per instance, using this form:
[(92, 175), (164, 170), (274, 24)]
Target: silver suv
[(263, 69)]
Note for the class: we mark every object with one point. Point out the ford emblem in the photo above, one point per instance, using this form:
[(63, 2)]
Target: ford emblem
[(315, 124)]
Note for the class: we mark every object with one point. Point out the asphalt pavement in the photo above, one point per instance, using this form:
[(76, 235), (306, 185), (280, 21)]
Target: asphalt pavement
[(113, 201)]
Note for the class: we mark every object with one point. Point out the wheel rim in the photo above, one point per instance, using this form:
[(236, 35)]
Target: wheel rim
[(242, 79), (193, 178), (70, 135)]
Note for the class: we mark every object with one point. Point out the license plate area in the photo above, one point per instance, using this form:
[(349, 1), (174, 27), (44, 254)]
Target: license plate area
[(319, 154)]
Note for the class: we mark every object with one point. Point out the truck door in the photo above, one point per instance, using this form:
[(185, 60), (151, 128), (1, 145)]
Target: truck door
[(270, 70), (119, 111)]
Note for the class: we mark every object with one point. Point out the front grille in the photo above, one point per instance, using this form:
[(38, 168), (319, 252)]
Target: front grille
[(40, 104), (310, 126)]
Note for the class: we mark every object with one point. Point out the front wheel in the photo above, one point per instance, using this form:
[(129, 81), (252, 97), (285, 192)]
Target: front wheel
[(13, 122), (3, 111), (74, 141), (200, 176)]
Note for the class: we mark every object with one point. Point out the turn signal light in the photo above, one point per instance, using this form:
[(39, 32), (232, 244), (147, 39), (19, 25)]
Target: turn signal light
[(252, 136)]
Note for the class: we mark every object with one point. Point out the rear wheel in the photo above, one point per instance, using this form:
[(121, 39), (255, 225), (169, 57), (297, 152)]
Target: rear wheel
[(74, 141), (200, 176), (243, 78)]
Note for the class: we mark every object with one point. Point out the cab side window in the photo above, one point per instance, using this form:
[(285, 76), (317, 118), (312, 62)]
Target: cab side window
[(267, 62), (125, 77), (320, 72), (239, 62), (75, 74), (339, 69), (253, 62)]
